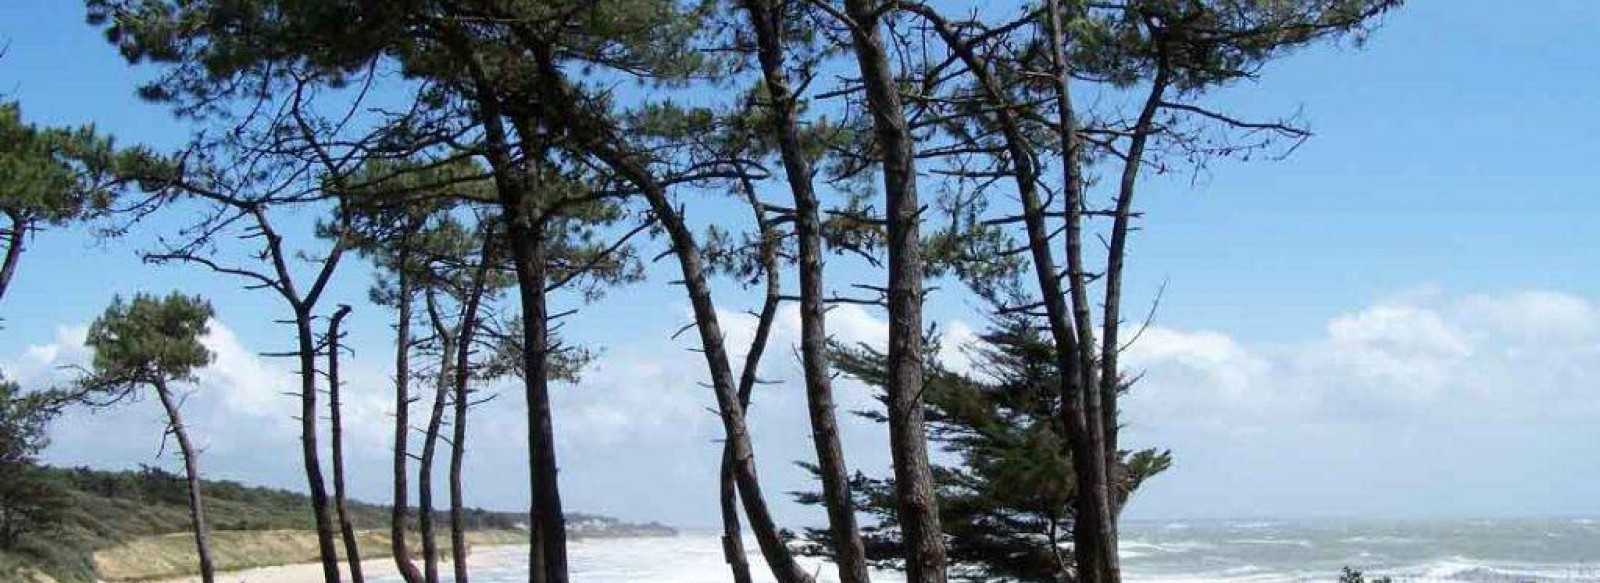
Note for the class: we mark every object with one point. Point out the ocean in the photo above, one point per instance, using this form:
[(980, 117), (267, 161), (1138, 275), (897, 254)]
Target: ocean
[(1475, 551)]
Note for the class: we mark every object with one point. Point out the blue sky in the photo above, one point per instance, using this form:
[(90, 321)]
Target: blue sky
[(1355, 313)]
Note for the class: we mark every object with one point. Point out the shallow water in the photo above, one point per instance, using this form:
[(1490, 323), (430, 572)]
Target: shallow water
[(1179, 552)]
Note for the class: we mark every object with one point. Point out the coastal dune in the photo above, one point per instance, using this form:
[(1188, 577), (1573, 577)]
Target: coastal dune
[(258, 556)]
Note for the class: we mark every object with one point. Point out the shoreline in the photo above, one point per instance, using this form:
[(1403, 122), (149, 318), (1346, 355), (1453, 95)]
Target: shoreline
[(481, 556)]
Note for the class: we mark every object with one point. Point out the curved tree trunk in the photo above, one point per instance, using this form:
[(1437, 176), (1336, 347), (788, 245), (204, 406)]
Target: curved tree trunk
[(732, 541), (1093, 530), (849, 553), (191, 469), (732, 538), (347, 529), (425, 514), (593, 141), (908, 442), (1111, 311), (430, 441), (778, 556), (402, 429)]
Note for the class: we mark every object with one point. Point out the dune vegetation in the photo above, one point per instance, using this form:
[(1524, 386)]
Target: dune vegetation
[(133, 525)]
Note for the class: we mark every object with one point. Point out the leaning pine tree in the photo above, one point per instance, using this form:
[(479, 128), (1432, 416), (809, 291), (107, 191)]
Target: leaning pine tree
[(154, 343)]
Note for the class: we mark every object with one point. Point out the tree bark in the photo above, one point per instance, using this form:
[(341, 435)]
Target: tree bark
[(1094, 534), (850, 555), (529, 253), (326, 547), (1116, 255), (596, 141), (712, 342), (282, 280), (402, 424), (918, 505), (462, 400), (352, 550), (191, 468), (14, 245), (547, 548), (779, 558), (1095, 529), (732, 541), (430, 441)]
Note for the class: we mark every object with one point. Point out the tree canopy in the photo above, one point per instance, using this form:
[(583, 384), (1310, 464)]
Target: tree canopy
[(147, 340)]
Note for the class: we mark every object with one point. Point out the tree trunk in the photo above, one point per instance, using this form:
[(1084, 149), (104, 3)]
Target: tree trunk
[(712, 343), (591, 138), (1116, 254), (779, 558), (732, 541), (913, 477), (191, 468), (547, 513), (850, 554), (402, 427), (14, 243), (462, 399), (1094, 535), (326, 547), (547, 548), (430, 441), (430, 544), (1072, 368), (352, 550)]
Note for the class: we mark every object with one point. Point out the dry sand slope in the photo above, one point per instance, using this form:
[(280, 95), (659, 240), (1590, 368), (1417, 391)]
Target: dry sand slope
[(255, 556)]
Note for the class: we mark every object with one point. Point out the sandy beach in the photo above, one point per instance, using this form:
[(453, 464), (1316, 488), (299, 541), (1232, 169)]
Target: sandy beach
[(481, 557)]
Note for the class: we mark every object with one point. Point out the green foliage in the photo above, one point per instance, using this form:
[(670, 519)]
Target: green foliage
[(52, 175), (1006, 499), (23, 417), (93, 510), (219, 50), (28, 501), (1206, 43), (32, 503), (146, 341), (1349, 575)]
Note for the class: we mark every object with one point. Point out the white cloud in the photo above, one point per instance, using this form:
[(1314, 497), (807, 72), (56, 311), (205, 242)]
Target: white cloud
[(241, 404), (242, 381), (1422, 356), (1400, 386), (45, 364), (1387, 412), (633, 396), (1186, 372)]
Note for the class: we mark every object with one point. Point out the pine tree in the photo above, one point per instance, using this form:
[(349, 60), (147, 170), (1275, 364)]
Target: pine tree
[(153, 343), (1007, 499), (29, 499), (55, 175)]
